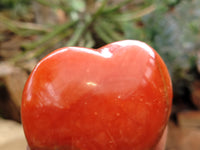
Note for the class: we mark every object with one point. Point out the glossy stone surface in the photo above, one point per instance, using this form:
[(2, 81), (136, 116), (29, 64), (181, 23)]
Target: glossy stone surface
[(117, 97)]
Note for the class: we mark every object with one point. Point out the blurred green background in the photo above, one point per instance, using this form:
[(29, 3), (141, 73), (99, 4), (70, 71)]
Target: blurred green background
[(30, 29)]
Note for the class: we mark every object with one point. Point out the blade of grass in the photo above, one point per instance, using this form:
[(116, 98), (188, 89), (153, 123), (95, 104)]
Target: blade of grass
[(16, 25), (54, 5), (130, 16), (117, 6), (82, 27), (40, 50), (110, 30), (89, 40), (100, 32), (47, 37), (9, 24), (76, 35)]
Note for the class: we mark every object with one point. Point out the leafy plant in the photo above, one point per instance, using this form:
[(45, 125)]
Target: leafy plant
[(165, 25), (91, 23), (5, 4)]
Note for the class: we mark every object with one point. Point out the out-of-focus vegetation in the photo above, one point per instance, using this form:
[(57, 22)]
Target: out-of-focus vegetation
[(169, 26)]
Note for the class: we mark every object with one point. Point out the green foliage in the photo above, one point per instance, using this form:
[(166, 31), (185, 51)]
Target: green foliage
[(17, 8), (175, 34), (5, 4), (169, 26)]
